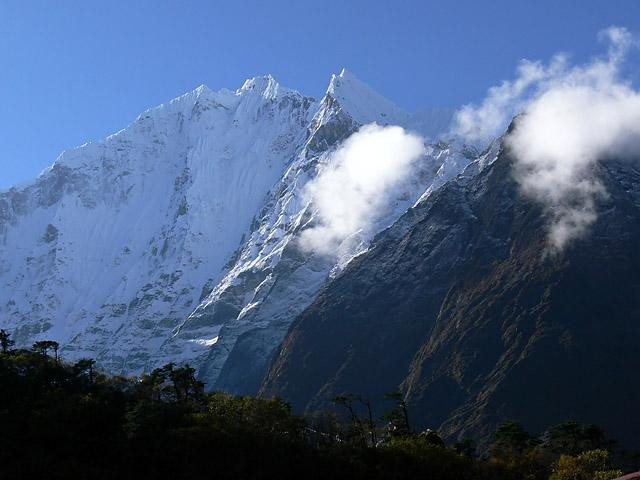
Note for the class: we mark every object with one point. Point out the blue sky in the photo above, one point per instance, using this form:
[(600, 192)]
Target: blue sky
[(72, 71)]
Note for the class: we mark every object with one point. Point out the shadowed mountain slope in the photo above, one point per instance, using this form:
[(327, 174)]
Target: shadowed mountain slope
[(461, 305)]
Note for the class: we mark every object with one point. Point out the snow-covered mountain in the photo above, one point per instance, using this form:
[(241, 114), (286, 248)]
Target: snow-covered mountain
[(175, 238)]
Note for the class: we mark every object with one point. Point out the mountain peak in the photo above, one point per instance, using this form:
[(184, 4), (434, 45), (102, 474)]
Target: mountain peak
[(362, 102), (265, 85), (202, 90)]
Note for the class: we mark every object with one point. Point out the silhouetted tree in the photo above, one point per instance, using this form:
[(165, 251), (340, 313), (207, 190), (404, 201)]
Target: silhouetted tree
[(5, 341), (347, 402), (398, 417), (517, 451), (55, 346), (156, 381), (43, 347), (431, 437), (511, 438), (572, 438), (56, 425), (465, 447), (185, 384), (371, 422), (85, 365)]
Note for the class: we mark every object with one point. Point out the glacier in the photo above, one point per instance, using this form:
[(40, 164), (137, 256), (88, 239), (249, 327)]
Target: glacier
[(175, 239)]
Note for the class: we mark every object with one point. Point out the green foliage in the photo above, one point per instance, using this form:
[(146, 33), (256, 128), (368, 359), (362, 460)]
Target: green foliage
[(510, 438), (431, 437), (589, 465), (442, 462), (398, 417), (465, 447), (69, 421), (43, 347), (359, 428), (83, 367), (61, 421), (572, 438), (567, 451)]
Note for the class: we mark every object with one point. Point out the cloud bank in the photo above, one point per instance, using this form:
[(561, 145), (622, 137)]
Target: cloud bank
[(354, 187), (573, 117)]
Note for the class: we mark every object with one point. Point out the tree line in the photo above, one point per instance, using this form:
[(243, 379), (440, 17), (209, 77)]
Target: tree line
[(71, 421)]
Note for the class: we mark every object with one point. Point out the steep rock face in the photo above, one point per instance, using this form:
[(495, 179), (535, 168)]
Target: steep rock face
[(461, 306), (175, 238), (272, 279)]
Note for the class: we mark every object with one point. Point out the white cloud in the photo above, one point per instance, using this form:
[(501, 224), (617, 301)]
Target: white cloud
[(353, 189), (484, 122), (573, 117)]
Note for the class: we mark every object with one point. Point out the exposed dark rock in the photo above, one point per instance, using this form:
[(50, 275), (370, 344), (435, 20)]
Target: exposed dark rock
[(462, 306)]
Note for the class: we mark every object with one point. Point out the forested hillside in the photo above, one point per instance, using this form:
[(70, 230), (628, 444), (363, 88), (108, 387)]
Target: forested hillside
[(62, 420)]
